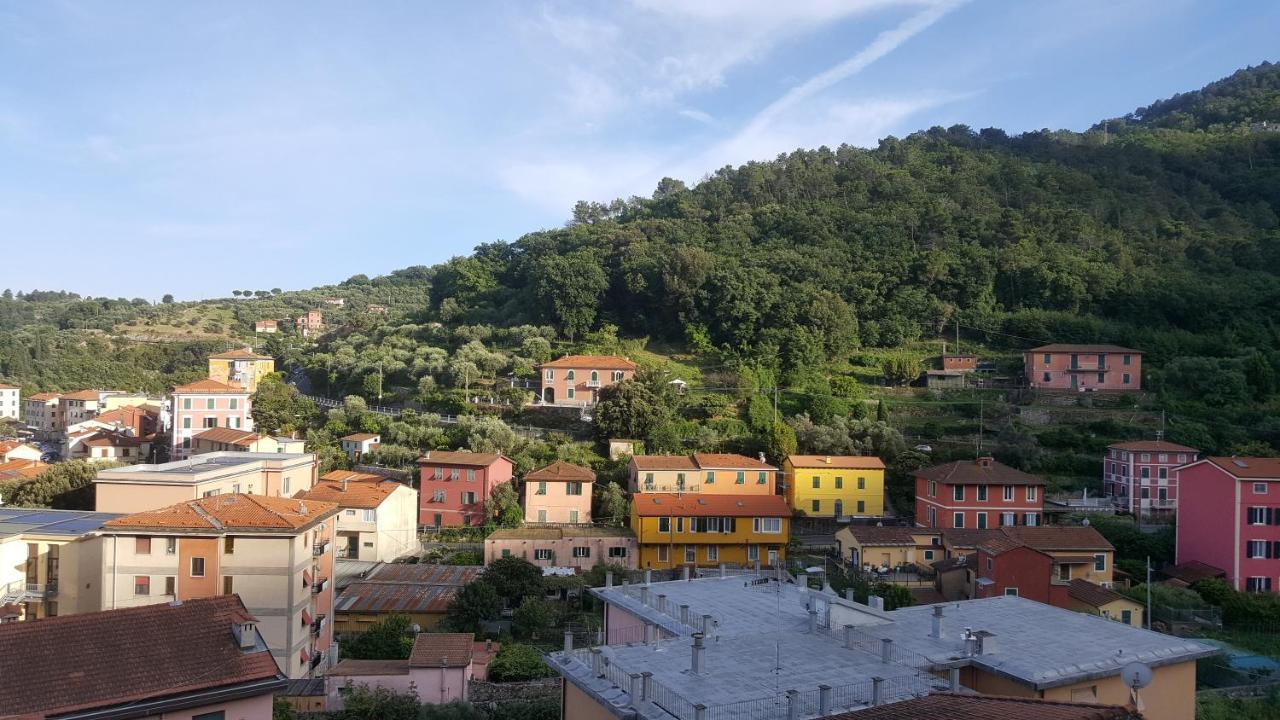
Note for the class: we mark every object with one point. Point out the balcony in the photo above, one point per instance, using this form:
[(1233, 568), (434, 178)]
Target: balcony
[(593, 383), (1086, 367), (317, 625), (320, 548), (319, 585), (317, 657)]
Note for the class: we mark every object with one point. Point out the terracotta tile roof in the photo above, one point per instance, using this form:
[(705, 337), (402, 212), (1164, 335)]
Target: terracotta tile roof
[(966, 537), (1092, 594), (1249, 467), (21, 469), (364, 668), (112, 439), (45, 396), (424, 574), (1070, 348), (956, 563), (983, 471), (729, 461), (1153, 446), (591, 362), (460, 457), (948, 706), (366, 494), (672, 504), (382, 596), (230, 436), (7, 446), (842, 462), (1194, 571), (131, 415), (663, 462), (233, 512), (241, 354), (1059, 537), (999, 544), (103, 659), (90, 395), (349, 475), (209, 387), (360, 437), (561, 471), (442, 650), (883, 536)]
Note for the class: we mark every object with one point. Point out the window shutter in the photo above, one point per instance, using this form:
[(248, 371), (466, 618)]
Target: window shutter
[(1271, 516), (1266, 550)]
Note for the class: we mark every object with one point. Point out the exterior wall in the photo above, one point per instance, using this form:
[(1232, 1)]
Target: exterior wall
[(888, 555), (201, 446), (672, 549), (245, 709), (432, 685), (282, 478), (575, 386), (577, 705), (116, 401), (10, 404), (245, 372), (1170, 696), (452, 509), (1022, 569), (550, 502), (1127, 473), (46, 568), (1088, 572), (44, 415), (944, 505), (117, 498), (192, 414), (22, 452), (1213, 523), (962, 363), (1081, 371), (712, 482), (1112, 611), (397, 526), (562, 552), (77, 411), (860, 492)]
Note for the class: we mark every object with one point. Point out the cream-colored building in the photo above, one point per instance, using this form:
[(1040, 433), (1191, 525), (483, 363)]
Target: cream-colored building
[(377, 517), (115, 400), (230, 439), (275, 553), (14, 450), (146, 487), (38, 565), (711, 473), (43, 411), (10, 403)]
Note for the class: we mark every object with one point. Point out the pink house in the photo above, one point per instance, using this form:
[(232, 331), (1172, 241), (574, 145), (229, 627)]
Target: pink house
[(454, 485), (1140, 477), (558, 493), (579, 548), (197, 659), (1229, 518), (577, 379), (439, 670), (207, 404), (1083, 368)]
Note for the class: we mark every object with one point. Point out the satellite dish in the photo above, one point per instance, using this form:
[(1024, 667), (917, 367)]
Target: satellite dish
[(1136, 675), (1085, 522), (815, 570)]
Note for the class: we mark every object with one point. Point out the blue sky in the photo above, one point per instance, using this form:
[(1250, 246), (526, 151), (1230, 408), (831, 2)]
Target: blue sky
[(196, 148)]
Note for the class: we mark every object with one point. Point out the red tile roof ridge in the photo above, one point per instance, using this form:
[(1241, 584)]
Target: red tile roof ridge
[(561, 471), (587, 362)]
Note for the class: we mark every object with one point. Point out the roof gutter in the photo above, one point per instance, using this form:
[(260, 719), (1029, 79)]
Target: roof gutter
[(189, 700)]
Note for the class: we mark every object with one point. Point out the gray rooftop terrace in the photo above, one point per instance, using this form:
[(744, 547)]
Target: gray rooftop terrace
[(198, 464), (39, 521)]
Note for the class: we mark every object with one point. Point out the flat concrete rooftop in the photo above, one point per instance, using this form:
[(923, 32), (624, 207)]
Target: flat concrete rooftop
[(199, 464)]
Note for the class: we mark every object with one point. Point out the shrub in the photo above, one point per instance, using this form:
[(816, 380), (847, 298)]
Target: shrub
[(517, 662)]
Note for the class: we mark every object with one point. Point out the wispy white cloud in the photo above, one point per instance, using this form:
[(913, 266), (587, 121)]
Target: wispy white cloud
[(697, 115)]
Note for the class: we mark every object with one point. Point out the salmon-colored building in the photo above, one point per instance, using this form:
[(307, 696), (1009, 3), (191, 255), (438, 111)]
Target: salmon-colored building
[(960, 363), (558, 493), (310, 323), (1141, 476), (577, 379), (1063, 366), (712, 473), (203, 405), (580, 548), (277, 554), (201, 659), (981, 493), (454, 485)]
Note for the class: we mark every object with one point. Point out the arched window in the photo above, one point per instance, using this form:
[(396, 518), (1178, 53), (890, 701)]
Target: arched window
[(568, 375)]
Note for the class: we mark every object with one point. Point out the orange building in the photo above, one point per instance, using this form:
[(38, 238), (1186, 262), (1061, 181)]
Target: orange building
[(577, 379)]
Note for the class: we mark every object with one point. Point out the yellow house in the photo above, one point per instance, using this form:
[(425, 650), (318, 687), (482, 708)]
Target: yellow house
[(889, 547), (835, 485), (1089, 597), (703, 473), (673, 530), (241, 367)]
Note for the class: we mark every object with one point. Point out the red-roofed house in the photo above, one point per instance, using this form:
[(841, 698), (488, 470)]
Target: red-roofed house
[(454, 485), (558, 493), (439, 670), (978, 494), (1063, 366), (377, 517), (201, 659), (43, 411), (359, 444), (709, 473), (1229, 517), (704, 529), (577, 379), (1140, 476), (203, 405)]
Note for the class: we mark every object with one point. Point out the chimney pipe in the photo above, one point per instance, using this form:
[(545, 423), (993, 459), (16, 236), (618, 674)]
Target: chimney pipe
[(597, 662), (848, 594), (936, 634), (986, 642), (824, 700), (875, 602), (608, 579), (248, 635), (648, 633), (637, 690), (886, 650), (644, 593), (699, 662), (793, 705), (648, 576), (848, 636), (684, 615), (954, 677), (706, 624), (568, 641), (813, 622), (877, 691)]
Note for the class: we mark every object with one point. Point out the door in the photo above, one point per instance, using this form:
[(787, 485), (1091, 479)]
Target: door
[(353, 547), (773, 556), (839, 508)]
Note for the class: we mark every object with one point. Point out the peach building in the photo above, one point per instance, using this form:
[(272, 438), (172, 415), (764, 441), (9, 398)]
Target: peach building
[(578, 379), (713, 473), (310, 323), (558, 493), (377, 519), (1063, 366), (200, 659), (275, 553), (439, 670), (578, 548), (203, 405), (228, 439), (242, 367), (147, 487)]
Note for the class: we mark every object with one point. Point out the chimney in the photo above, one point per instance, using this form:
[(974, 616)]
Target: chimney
[(488, 646), (986, 644), (936, 634), (248, 635), (875, 602), (608, 579), (698, 660), (344, 484), (761, 457), (813, 622), (985, 461), (827, 459)]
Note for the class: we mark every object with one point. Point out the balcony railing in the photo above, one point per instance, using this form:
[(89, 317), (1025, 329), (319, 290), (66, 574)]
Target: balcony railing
[(593, 383), (317, 625), (319, 585), (320, 548)]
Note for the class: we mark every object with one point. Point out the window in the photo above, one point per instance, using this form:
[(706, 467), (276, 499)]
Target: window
[(862, 483), (679, 524), (617, 376), (573, 517), (581, 551), (186, 403), (664, 553), (982, 521), (753, 553), (542, 516), (285, 484), (209, 404), (229, 545), (1182, 458), (817, 505), (839, 483), (573, 488), (1255, 549), (711, 477), (438, 473), (1258, 516), (550, 375), (437, 496), (370, 515), (762, 478), (171, 546), (664, 524), (1145, 472), (989, 563), (197, 567), (1259, 488), (1046, 377), (957, 520), (713, 553), (468, 498), (542, 553), (817, 484), (1031, 519), (186, 423), (141, 585), (568, 375), (1048, 359), (595, 376), (142, 546), (767, 525), (648, 481), (1031, 493), (742, 477), (1128, 359), (1258, 584), (933, 488), (1146, 457), (957, 492), (1125, 378), (227, 585), (216, 715), (839, 511), (680, 480), (212, 493), (569, 393), (1100, 562), (506, 553), (1008, 493), (235, 404), (454, 473), (1064, 572), (617, 552), (471, 475), (542, 488), (862, 506), (928, 554), (235, 488), (1011, 591), (982, 493), (1008, 519), (1164, 473), (171, 586), (210, 421)]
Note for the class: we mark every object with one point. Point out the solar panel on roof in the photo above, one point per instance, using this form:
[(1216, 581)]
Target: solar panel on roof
[(76, 526), (43, 517)]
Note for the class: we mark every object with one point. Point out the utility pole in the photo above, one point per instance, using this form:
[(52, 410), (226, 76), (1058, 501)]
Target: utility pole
[(775, 402), (978, 447), (1148, 618), (957, 350)]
